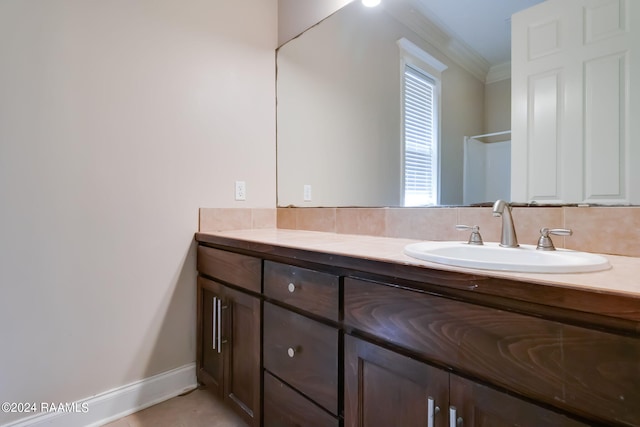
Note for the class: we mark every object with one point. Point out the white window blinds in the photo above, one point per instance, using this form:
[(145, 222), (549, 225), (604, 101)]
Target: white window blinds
[(420, 138)]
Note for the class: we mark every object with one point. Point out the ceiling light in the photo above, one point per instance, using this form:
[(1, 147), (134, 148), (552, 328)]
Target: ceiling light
[(370, 3)]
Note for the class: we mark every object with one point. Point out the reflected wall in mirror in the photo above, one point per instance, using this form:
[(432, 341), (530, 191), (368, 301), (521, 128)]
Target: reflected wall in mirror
[(574, 139), (339, 108)]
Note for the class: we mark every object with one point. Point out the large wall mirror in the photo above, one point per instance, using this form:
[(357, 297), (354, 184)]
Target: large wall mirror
[(339, 111)]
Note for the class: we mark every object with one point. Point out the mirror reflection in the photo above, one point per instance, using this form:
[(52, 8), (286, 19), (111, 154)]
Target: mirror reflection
[(351, 131)]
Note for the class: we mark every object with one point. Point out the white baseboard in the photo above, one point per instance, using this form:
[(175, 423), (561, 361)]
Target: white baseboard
[(119, 402)]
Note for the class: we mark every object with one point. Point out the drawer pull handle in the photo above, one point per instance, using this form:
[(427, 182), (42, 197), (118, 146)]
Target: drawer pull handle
[(431, 411), (291, 352), (291, 287)]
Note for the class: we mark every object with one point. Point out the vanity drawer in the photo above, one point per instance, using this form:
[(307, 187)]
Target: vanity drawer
[(304, 353), (236, 269), (309, 290), (586, 371), (285, 407)]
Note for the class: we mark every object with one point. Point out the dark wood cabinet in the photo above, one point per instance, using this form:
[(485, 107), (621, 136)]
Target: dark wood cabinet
[(473, 404), (309, 290), (239, 270), (228, 361), (304, 353), (384, 388), (578, 369), (347, 341), (285, 407), (210, 356), (301, 354)]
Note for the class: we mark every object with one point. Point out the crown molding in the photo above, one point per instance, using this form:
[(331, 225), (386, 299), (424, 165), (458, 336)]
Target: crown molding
[(429, 31), (499, 72)]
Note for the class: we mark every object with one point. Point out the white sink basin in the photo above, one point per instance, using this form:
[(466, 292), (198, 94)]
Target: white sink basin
[(491, 256)]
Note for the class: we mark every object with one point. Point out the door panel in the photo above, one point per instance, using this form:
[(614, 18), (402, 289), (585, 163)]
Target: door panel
[(241, 341), (384, 388), (481, 406), (211, 367)]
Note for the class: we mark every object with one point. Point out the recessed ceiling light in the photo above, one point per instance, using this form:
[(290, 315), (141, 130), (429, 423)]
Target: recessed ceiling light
[(370, 3)]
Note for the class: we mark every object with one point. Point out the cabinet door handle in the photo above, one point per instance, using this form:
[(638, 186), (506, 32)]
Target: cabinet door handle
[(291, 287), (214, 317), (291, 352), (219, 310), (432, 410), (454, 421)]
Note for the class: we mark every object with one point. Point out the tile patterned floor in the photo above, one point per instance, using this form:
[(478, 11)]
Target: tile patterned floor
[(198, 408)]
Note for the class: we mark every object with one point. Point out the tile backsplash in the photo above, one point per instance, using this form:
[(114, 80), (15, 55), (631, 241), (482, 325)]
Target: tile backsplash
[(609, 230), (223, 219)]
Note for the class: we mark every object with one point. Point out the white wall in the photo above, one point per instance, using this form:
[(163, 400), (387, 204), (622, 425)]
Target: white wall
[(118, 120)]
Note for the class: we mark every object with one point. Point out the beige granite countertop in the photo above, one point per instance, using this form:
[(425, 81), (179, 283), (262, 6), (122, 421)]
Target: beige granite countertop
[(622, 278)]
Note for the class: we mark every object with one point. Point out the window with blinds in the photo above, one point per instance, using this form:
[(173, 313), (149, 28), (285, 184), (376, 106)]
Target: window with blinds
[(420, 138)]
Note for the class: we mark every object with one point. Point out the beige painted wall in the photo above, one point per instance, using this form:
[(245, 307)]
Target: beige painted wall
[(497, 106), (118, 120), (295, 16)]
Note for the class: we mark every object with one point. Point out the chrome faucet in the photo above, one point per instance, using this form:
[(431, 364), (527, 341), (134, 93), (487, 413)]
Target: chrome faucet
[(508, 238)]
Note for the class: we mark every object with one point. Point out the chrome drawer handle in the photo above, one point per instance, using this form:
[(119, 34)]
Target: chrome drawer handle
[(291, 352), (291, 287)]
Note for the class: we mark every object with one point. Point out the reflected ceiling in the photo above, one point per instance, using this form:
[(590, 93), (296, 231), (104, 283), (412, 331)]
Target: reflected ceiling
[(466, 20)]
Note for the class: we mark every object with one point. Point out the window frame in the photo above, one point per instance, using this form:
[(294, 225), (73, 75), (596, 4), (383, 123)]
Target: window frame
[(413, 56)]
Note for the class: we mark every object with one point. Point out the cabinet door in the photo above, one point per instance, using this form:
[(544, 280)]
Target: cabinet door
[(210, 355), (384, 388), (229, 347), (241, 346), (476, 405)]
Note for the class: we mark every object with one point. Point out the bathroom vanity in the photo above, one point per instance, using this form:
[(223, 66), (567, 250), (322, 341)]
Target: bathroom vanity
[(303, 328)]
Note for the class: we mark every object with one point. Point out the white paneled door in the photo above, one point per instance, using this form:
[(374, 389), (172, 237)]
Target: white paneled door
[(575, 102)]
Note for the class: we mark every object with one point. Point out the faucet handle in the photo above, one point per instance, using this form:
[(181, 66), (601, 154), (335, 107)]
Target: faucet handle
[(475, 238), (545, 243)]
